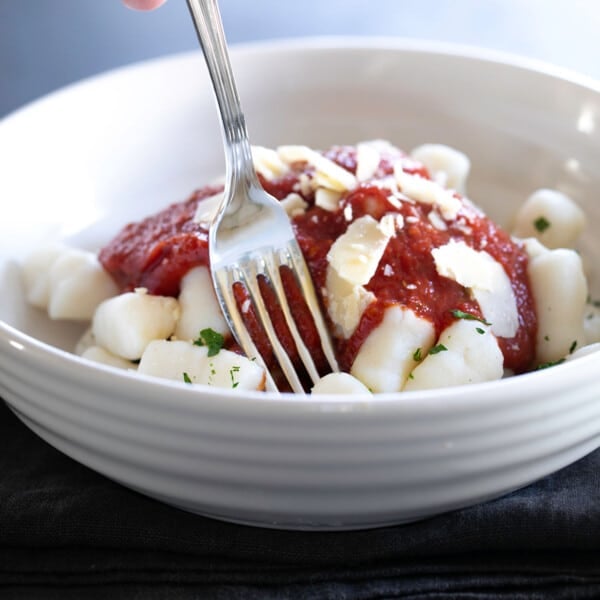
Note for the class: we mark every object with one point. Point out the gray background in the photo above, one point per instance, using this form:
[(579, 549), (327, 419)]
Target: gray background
[(46, 44)]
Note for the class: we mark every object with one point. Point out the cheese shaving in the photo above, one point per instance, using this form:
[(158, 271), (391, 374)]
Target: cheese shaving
[(428, 192)]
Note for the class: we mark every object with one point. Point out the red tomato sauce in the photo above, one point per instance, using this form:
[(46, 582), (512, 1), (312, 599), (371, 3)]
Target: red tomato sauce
[(159, 250)]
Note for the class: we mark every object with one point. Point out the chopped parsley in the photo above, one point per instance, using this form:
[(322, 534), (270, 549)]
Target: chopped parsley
[(411, 376), (212, 339), (547, 338), (550, 364), (232, 373), (438, 348), (417, 355), (573, 346), (541, 224), (186, 378), (460, 314), (212, 373), (479, 330)]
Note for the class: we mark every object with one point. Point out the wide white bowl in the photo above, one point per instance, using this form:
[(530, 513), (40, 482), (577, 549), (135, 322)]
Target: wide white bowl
[(80, 163)]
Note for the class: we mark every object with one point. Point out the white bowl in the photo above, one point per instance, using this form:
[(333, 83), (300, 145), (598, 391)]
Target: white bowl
[(80, 163)]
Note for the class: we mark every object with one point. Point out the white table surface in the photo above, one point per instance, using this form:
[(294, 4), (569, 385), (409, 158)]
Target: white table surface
[(46, 44)]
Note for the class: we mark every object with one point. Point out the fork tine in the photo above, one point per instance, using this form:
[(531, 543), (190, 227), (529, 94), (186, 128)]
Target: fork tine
[(249, 277), (224, 280), (248, 213), (273, 274), (304, 280)]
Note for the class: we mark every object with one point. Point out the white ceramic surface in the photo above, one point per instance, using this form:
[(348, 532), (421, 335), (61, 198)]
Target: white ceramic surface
[(82, 162)]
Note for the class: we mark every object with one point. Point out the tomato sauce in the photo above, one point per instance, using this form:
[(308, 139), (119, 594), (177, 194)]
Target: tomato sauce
[(159, 250)]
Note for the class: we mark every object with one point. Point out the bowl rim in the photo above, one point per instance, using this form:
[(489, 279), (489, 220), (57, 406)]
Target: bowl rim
[(339, 43), (501, 392), (462, 397)]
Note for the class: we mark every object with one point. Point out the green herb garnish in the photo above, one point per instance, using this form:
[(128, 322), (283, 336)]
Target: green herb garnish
[(550, 364), (573, 346), (232, 373), (479, 330), (541, 224), (417, 355), (212, 339), (186, 378), (212, 373), (438, 348), (460, 314)]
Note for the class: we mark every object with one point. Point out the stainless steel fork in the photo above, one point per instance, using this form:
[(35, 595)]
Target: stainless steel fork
[(251, 235)]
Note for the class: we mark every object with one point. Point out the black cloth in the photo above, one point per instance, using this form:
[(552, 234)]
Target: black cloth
[(67, 532)]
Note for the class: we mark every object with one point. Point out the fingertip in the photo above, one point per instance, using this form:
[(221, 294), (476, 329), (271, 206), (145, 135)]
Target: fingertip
[(143, 4)]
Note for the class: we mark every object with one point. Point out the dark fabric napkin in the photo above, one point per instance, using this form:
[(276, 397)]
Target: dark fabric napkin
[(67, 532)]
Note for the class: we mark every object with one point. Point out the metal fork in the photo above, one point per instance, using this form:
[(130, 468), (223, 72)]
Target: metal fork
[(251, 235)]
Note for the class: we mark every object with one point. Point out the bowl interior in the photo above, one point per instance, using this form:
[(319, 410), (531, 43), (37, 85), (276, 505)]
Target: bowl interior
[(81, 163)]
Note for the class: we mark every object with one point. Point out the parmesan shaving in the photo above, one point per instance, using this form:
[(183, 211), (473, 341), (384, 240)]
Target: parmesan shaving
[(268, 163), (486, 279), (428, 192), (327, 173)]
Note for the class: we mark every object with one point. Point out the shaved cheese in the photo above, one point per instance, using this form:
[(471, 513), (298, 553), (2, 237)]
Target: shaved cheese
[(294, 205), (437, 221), (353, 260), (390, 223), (268, 163), (345, 302), (428, 192), (487, 280), (304, 185), (327, 199), (355, 255), (463, 264), (387, 356), (171, 360), (207, 208), (327, 173)]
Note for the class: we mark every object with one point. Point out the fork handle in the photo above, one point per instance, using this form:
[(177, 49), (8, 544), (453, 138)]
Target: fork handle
[(209, 27)]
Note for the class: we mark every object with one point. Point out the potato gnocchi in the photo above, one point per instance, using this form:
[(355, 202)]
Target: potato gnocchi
[(167, 334)]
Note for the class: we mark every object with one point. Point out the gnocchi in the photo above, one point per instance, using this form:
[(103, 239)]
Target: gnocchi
[(418, 294), (127, 323), (69, 283), (551, 217)]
